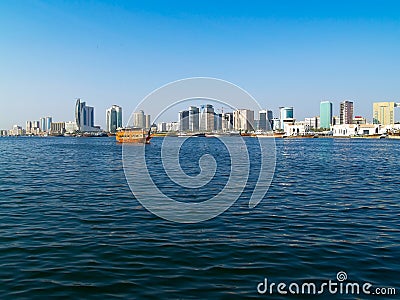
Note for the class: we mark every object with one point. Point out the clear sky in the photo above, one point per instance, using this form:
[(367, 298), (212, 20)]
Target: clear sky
[(293, 53)]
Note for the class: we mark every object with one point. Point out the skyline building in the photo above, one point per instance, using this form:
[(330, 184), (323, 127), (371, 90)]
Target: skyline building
[(84, 116), (42, 124), (206, 118), (243, 119), (139, 119), (194, 118), (383, 112), (49, 121), (113, 118), (265, 119), (286, 116), (346, 112), (147, 121), (227, 121), (217, 122), (184, 120), (325, 114)]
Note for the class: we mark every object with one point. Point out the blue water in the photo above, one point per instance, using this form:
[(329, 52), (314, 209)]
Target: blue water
[(70, 227)]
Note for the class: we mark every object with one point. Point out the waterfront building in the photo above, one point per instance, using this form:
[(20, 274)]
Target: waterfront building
[(206, 118), (383, 112), (359, 120), (265, 120), (325, 113), (243, 120), (139, 120), (346, 112), (184, 121), (42, 124), (286, 116), (84, 117), (218, 122), (70, 127), (113, 118), (194, 118), (49, 120), (227, 121), (172, 126), (3, 133), (357, 129), (162, 127), (57, 128), (335, 120), (147, 122), (312, 123), (296, 129), (16, 131), (276, 124), (28, 127)]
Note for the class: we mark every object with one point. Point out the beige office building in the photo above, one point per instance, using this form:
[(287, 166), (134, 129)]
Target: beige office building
[(383, 113)]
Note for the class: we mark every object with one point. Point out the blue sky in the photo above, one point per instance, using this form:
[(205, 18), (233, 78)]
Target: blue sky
[(295, 53)]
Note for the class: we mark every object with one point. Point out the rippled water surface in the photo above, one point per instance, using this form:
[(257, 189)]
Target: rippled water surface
[(70, 227)]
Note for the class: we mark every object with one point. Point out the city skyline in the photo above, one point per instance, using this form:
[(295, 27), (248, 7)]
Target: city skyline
[(283, 53)]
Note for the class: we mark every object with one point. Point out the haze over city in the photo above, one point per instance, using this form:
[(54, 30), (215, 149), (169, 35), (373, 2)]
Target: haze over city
[(284, 53)]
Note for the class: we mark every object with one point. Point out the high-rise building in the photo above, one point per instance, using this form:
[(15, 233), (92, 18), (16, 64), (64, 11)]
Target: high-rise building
[(227, 121), (49, 120), (28, 127), (325, 113), (43, 124), (286, 116), (84, 116), (139, 120), (265, 118), (243, 119), (147, 121), (217, 122), (206, 118), (346, 112), (113, 118), (383, 112), (193, 118), (184, 120)]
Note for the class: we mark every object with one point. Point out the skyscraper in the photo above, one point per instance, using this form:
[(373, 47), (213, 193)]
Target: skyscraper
[(49, 120), (346, 112), (265, 120), (43, 124), (113, 118), (227, 121), (193, 118), (147, 121), (184, 120), (84, 116), (383, 113), (139, 120), (243, 119), (206, 118), (325, 113)]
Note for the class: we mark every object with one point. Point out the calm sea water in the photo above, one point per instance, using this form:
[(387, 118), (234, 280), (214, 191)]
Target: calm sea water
[(70, 227)]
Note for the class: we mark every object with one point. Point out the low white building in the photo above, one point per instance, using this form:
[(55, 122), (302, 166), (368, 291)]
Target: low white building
[(357, 129), (295, 129)]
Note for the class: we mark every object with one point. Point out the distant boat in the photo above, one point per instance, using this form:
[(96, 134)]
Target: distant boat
[(132, 135)]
